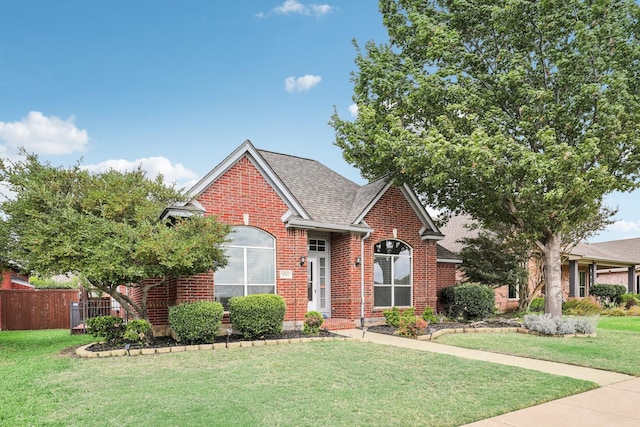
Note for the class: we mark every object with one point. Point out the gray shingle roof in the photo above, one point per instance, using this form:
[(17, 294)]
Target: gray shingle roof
[(326, 195)]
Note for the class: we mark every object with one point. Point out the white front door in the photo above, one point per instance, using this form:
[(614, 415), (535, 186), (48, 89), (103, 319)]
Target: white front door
[(318, 286)]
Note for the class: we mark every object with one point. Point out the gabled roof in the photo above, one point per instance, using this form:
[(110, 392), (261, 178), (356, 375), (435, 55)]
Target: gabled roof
[(317, 196)]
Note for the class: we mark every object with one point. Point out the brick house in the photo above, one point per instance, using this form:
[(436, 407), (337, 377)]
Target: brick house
[(614, 262), (319, 240)]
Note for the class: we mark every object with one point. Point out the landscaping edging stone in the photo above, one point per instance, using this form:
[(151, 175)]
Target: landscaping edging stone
[(83, 352)]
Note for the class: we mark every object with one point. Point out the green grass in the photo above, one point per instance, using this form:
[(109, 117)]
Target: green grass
[(614, 349), (330, 383)]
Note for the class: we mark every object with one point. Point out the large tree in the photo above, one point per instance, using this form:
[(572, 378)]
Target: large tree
[(517, 112), (104, 227)]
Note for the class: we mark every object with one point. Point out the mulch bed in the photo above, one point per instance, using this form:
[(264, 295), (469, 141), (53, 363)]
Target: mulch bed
[(158, 342)]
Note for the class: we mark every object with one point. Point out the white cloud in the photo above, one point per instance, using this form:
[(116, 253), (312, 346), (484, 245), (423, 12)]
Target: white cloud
[(44, 135), (625, 226), (301, 84), (353, 110), (154, 166), (295, 7)]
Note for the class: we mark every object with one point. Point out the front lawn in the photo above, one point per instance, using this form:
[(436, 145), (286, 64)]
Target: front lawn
[(614, 349), (307, 384)]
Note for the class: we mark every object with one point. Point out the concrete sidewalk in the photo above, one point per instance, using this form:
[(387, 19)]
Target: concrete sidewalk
[(614, 404)]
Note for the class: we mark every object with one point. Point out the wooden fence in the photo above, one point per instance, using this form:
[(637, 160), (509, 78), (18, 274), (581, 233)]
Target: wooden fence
[(36, 309)]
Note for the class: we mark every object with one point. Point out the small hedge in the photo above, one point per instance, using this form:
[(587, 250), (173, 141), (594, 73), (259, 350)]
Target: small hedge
[(537, 304), (196, 322), (607, 293), (257, 315), (392, 316), (470, 301)]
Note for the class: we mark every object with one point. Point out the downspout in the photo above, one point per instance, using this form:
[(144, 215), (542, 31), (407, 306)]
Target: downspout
[(362, 278)]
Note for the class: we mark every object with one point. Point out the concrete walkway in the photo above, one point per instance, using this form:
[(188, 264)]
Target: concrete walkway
[(614, 404)]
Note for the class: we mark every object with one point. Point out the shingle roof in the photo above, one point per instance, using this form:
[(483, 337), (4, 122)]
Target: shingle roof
[(456, 228), (326, 195), (317, 196)]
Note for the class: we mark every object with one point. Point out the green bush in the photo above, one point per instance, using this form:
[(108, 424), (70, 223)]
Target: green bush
[(392, 316), (428, 315), (137, 330), (196, 322), (411, 325), (257, 315), (537, 304), (313, 320), (580, 307), (607, 293), (108, 327), (469, 300)]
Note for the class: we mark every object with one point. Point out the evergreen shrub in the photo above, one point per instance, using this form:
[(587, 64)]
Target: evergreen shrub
[(257, 315), (470, 301), (196, 322)]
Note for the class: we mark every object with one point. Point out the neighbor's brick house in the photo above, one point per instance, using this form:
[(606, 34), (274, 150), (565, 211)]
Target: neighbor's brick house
[(319, 240), (613, 262)]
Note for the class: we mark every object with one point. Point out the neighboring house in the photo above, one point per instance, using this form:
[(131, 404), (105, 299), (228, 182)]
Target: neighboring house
[(321, 241), (11, 279), (587, 263), (625, 274)]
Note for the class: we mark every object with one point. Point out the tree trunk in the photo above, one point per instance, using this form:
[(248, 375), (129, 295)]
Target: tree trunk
[(553, 275)]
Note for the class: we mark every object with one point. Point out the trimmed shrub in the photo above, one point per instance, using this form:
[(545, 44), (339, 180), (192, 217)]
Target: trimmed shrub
[(580, 307), (429, 316), (537, 304), (392, 316), (313, 320), (469, 300), (607, 293), (257, 315), (108, 327), (196, 322), (137, 330)]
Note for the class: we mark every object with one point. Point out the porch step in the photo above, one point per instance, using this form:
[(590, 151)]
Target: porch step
[(334, 324)]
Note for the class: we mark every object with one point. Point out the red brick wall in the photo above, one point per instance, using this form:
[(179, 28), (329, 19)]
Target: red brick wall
[(243, 190), (345, 276), (394, 212)]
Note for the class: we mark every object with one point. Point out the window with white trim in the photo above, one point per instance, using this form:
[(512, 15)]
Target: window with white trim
[(251, 265), (392, 284)]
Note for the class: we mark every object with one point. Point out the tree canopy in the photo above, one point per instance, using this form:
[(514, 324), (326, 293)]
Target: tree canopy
[(104, 227), (520, 113)]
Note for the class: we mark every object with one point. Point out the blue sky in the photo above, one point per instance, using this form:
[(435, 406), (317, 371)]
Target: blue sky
[(177, 85)]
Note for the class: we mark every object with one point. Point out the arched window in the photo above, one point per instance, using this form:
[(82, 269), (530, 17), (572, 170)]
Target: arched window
[(392, 274), (251, 266)]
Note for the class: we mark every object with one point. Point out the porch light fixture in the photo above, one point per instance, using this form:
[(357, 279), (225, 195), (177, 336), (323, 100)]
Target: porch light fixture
[(358, 261), (303, 259)]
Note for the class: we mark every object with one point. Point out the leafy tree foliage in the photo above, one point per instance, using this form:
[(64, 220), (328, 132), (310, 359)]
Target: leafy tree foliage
[(491, 262), (520, 113), (105, 228)]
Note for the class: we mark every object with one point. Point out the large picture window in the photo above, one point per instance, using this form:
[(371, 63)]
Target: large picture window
[(392, 274), (251, 266)]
